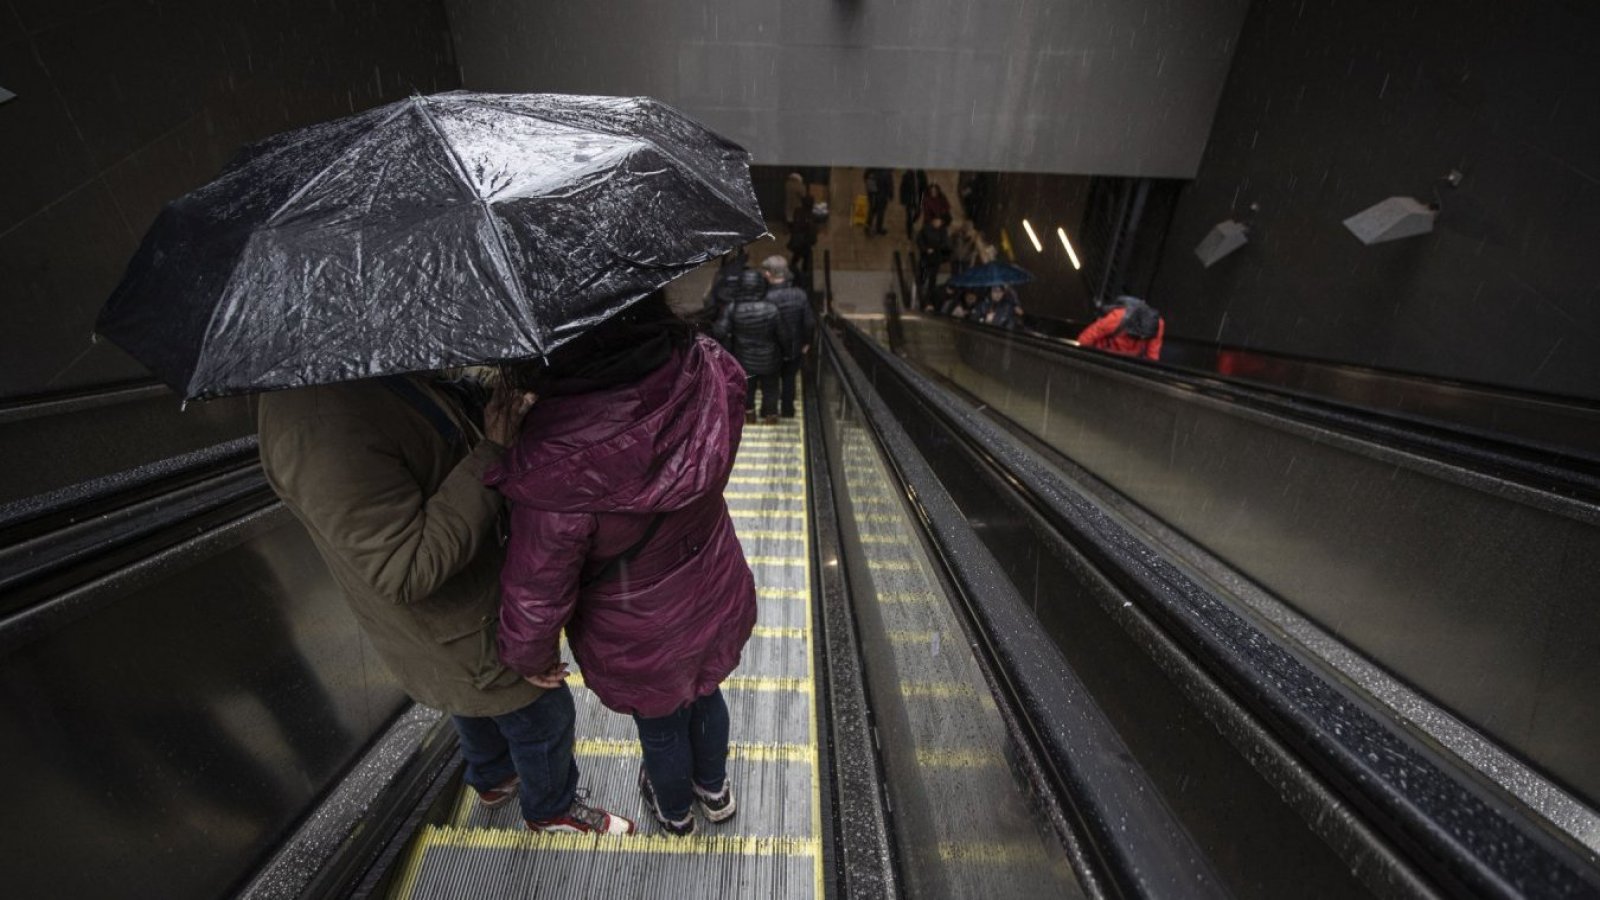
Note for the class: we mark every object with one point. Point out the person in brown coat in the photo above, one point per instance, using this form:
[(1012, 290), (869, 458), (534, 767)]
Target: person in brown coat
[(387, 476)]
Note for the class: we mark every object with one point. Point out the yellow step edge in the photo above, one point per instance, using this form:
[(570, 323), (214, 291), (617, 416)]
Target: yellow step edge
[(755, 751), (777, 593), (759, 479), (761, 495), (778, 631), (776, 560), (735, 683), (767, 514), (445, 836)]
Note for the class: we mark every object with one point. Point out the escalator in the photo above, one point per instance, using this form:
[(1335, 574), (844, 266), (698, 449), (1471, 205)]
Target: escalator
[(1032, 622)]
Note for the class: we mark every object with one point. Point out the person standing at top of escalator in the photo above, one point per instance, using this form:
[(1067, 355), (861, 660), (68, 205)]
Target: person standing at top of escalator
[(795, 308), (933, 250), (935, 205), (757, 335), (386, 475), (913, 182), (1130, 327), (878, 184)]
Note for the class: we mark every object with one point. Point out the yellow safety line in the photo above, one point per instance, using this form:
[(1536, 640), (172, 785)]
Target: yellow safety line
[(752, 750), (776, 560), (735, 683), (779, 631), (653, 842), (818, 888), (774, 593), (755, 479), (767, 513), (760, 495), (408, 879), (937, 758)]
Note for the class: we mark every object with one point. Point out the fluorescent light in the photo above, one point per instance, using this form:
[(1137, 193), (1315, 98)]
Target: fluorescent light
[(1032, 237), (1068, 244)]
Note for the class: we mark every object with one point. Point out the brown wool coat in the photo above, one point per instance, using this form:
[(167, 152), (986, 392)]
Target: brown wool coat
[(408, 530)]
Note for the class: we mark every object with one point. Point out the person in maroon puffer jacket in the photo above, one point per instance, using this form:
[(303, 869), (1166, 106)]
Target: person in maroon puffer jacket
[(619, 534)]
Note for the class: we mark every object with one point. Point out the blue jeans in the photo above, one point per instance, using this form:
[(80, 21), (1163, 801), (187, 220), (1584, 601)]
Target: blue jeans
[(534, 742), (688, 745)]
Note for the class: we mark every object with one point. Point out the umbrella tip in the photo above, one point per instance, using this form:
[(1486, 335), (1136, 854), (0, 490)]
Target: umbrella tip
[(94, 337)]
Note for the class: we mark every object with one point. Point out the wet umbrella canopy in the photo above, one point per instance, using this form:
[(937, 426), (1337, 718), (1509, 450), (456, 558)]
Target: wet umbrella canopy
[(438, 231), (991, 274)]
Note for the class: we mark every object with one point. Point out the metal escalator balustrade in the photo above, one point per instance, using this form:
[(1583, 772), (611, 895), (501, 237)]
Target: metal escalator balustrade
[(1401, 817), (773, 846)]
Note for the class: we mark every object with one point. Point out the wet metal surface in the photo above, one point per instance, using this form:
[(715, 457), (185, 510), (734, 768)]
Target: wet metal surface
[(964, 822)]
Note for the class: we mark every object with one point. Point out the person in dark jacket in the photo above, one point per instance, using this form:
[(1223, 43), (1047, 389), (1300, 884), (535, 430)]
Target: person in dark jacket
[(913, 182), (1130, 327), (795, 308), (1004, 308), (935, 205), (620, 535), (878, 183), (386, 475), (933, 249), (802, 237), (751, 327)]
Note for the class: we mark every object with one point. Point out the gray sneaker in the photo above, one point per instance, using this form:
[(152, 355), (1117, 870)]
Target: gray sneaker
[(719, 806), (680, 827)]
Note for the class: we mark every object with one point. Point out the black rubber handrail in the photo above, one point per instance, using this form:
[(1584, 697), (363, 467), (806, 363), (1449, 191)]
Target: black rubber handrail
[(1469, 838)]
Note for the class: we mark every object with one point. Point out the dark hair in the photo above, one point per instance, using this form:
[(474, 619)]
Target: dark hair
[(622, 349)]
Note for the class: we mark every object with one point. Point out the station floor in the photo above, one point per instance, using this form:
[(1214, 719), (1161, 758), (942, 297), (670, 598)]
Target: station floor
[(772, 847)]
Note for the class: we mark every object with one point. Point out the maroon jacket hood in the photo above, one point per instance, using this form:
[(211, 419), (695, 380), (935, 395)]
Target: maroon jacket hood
[(648, 447)]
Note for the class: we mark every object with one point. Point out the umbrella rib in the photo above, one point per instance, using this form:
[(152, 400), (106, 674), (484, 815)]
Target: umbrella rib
[(503, 252), (712, 185), (333, 162)]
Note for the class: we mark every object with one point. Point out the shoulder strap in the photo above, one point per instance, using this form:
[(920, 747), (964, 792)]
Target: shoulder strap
[(405, 390), (625, 557)]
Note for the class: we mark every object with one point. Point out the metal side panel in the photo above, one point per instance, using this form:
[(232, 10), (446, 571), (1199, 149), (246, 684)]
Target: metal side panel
[(772, 848)]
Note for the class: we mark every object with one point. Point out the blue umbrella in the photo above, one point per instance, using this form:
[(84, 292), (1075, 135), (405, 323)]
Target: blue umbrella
[(991, 274)]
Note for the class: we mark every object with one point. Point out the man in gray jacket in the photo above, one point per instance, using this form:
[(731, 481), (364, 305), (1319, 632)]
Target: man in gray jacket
[(800, 324), (386, 474)]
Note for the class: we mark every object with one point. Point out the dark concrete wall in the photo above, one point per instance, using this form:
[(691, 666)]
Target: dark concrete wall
[(123, 105), (1333, 105), (1047, 202), (1071, 86)]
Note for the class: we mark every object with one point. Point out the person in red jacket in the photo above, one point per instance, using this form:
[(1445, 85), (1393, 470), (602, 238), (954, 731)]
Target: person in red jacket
[(619, 534), (1130, 327)]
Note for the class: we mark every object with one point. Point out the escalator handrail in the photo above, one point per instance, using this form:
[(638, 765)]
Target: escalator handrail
[(1441, 816)]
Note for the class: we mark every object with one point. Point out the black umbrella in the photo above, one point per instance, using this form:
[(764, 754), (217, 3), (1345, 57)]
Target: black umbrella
[(991, 274), (438, 231)]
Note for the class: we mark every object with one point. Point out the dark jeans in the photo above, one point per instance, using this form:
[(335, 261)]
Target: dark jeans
[(912, 213), (877, 205), (534, 742), (769, 393), (791, 368), (688, 745), (800, 262)]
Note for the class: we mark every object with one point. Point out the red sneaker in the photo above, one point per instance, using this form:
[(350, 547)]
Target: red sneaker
[(581, 818), (500, 794)]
